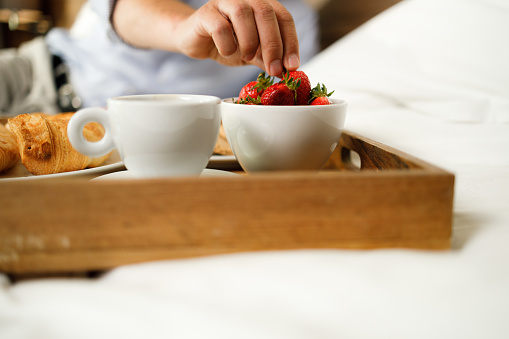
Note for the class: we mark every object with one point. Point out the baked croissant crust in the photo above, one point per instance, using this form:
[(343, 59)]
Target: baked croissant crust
[(44, 146), (9, 155), (222, 146)]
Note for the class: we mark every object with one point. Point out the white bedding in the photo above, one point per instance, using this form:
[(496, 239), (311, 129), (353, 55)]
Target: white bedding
[(451, 110)]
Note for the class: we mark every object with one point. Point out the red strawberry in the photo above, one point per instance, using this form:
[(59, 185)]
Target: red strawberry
[(278, 94), (320, 101), (319, 95), (249, 90), (304, 90), (254, 89)]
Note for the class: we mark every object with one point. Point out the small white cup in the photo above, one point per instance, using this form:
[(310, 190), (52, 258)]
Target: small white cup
[(159, 135)]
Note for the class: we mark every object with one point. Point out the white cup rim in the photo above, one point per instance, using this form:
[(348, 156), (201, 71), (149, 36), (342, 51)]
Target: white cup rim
[(164, 99)]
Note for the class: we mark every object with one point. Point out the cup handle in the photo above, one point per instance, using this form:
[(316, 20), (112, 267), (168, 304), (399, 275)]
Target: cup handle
[(75, 132)]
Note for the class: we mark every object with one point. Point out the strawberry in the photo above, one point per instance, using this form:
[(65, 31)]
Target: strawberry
[(278, 94), (254, 89), (284, 93), (249, 90), (304, 91), (320, 101), (319, 95)]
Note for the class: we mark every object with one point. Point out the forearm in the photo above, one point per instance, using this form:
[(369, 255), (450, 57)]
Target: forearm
[(150, 23)]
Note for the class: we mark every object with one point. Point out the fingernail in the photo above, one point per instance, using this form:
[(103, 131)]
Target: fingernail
[(293, 61)]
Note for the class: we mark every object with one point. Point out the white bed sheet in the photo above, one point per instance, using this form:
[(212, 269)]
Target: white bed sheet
[(462, 293)]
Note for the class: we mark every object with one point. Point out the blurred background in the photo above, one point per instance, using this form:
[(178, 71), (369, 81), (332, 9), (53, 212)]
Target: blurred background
[(22, 20)]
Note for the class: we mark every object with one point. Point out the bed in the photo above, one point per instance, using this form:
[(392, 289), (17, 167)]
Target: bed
[(428, 77)]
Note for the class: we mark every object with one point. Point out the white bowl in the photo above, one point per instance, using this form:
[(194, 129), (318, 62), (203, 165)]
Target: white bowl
[(267, 138)]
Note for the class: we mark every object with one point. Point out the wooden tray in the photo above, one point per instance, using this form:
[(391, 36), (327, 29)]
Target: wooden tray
[(73, 225)]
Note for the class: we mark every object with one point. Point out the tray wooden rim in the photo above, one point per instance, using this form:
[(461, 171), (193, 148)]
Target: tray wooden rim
[(395, 200)]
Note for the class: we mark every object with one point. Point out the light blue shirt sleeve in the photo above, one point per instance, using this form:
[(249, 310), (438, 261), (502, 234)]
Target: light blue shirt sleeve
[(104, 11), (103, 8)]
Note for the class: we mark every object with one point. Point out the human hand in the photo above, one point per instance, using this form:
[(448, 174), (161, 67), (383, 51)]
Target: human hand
[(240, 32)]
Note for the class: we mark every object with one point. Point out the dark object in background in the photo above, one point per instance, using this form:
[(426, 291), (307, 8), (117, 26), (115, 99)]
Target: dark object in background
[(339, 17)]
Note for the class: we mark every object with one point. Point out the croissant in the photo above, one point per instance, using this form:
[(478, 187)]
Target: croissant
[(9, 155), (44, 146), (222, 146)]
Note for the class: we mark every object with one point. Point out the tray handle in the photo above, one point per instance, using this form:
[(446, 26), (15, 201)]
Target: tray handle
[(356, 153)]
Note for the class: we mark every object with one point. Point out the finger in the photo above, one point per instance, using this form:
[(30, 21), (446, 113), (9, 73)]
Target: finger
[(219, 28), (242, 18), (258, 60), (291, 57), (270, 38)]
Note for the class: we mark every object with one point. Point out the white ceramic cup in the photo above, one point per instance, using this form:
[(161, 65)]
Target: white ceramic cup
[(269, 138), (157, 135)]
